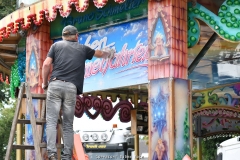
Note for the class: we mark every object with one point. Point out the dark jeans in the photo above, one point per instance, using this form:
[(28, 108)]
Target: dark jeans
[(60, 95)]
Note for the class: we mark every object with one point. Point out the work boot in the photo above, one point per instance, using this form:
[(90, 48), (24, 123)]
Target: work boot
[(53, 157)]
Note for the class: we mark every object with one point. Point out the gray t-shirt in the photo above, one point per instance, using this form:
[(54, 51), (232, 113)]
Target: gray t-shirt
[(69, 62)]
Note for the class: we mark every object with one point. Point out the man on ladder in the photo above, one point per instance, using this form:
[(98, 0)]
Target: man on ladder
[(66, 81)]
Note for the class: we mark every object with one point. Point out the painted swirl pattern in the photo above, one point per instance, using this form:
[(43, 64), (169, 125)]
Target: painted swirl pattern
[(103, 108)]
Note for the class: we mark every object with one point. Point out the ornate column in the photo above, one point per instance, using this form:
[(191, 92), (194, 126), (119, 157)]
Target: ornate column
[(37, 46), (169, 92)]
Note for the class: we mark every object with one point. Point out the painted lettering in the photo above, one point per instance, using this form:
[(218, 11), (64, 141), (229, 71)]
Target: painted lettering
[(140, 55), (110, 10), (81, 19), (100, 14), (96, 67), (88, 69), (135, 4), (122, 59), (104, 66), (98, 44), (107, 11)]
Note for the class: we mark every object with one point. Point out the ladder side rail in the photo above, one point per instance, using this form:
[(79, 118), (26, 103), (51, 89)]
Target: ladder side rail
[(14, 122), (33, 123), (43, 116)]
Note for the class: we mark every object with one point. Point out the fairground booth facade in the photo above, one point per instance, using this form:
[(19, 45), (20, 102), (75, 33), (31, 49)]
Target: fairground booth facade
[(177, 59)]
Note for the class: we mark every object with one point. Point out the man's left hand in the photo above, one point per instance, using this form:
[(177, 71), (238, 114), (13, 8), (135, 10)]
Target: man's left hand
[(44, 86)]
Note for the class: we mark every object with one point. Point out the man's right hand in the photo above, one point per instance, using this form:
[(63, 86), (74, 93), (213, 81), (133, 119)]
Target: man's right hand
[(110, 51)]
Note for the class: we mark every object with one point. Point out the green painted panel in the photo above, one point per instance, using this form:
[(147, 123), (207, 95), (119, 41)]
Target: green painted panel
[(94, 17)]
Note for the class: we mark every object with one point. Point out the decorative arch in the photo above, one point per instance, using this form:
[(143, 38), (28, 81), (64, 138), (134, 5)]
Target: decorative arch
[(160, 15), (213, 121), (216, 111), (44, 10)]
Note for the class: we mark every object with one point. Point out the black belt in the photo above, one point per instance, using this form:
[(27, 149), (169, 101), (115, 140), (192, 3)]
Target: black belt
[(54, 79)]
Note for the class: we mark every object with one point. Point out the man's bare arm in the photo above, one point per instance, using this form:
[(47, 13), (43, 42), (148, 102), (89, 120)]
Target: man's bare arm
[(105, 53), (46, 70)]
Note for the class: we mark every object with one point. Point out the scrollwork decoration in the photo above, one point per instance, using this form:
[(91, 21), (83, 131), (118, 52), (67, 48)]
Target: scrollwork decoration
[(103, 108)]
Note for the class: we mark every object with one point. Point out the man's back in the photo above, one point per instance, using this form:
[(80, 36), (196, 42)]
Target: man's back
[(69, 61)]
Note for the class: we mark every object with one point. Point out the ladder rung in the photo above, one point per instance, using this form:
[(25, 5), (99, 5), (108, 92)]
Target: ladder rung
[(44, 145), (36, 96), (39, 121), (31, 147), (27, 121)]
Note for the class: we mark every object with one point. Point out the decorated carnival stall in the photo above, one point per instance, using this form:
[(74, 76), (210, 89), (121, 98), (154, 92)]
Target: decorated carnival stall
[(155, 42)]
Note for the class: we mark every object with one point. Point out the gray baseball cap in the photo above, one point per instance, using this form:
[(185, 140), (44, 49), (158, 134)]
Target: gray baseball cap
[(69, 30)]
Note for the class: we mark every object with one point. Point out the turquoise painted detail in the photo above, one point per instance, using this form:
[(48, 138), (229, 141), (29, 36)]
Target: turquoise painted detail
[(226, 24)]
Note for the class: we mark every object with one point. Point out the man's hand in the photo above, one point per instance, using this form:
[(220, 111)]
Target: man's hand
[(110, 52), (46, 71), (44, 86)]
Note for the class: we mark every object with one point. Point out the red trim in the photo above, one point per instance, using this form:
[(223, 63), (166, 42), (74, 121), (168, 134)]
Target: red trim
[(44, 14)]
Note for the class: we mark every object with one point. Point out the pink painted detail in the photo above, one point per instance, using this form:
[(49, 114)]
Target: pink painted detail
[(186, 157)]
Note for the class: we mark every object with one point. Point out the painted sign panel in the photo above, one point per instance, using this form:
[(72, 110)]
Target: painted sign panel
[(160, 114), (213, 124), (224, 96), (130, 65), (159, 126), (216, 111), (94, 17)]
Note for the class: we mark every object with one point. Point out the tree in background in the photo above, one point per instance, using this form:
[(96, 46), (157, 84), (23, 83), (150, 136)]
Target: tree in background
[(209, 148), (7, 104), (7, 109), (7, 7)]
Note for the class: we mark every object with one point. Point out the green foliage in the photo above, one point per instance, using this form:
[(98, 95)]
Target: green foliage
[(209, 148), (194, 156), (179, 155), (186, 149), (186, 133), (5, 99), (7, 109), (15, 81), (6, 117), (7, 7)]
